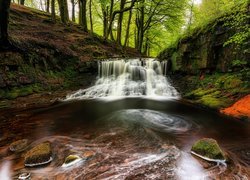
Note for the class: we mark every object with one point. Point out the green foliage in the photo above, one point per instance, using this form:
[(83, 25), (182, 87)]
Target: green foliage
[(239, 63), (239, 22)]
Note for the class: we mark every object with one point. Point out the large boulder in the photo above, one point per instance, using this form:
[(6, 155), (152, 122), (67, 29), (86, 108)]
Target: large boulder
[(39, 155), (208, 148)]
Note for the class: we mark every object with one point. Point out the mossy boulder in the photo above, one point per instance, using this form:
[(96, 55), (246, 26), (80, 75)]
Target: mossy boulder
[(19, 145), (39, 155), (208, 148)]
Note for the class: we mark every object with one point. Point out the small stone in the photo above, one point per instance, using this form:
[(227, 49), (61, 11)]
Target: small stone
[(19, 145), (208, 148), (24, 176), (39, 155), (88, 154), (71, 159)]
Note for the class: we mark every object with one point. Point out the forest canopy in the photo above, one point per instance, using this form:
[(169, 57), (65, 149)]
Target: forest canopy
[(147, 25)]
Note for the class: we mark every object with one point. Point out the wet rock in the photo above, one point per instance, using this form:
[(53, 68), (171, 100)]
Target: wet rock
[(71, 159), (88, 154), (208, 148), (19, 145), (39, 155), (24, 176)]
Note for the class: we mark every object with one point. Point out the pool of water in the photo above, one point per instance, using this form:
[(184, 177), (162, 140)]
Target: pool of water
[(130, 138)]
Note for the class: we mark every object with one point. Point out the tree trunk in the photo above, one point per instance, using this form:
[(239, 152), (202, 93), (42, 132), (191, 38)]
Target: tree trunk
[(141, 27), (53, 11), (128, 28), (120, 18), (73, 10), (22, 2), (47, 5), (83, 14), (105, 21), (63, 8), (4, 21), (90, 16)]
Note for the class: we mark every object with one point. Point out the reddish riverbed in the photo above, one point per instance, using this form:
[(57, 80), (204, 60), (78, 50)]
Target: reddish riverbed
[(133, 138)]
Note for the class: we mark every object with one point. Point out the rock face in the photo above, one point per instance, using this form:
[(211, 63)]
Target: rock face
[(39, 155), (204, 50), (208, 148)]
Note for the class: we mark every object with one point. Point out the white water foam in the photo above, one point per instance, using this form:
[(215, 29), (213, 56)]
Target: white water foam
[(129, 78)]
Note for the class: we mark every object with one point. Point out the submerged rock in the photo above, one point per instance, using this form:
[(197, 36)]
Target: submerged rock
[(39, 155), (71, 159), (208, 148), (19, 145)]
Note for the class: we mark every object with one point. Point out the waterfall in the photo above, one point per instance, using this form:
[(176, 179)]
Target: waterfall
[(134, 77)]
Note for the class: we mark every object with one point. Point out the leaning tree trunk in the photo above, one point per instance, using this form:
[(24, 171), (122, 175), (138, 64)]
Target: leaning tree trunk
[(4, 21)]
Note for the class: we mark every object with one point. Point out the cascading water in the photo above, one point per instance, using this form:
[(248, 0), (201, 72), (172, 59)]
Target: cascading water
[(119, 78)]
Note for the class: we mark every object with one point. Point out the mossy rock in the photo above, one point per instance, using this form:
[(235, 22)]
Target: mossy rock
[(208, 148), (19, 145), (70, 160), (39, 155)]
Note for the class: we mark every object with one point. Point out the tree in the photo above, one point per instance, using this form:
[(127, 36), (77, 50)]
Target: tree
[(121, 11), (53, 11), (83, 14), (47, 5), (73, 10), (22, 2), (90, 16), (63, 8), (4, 21)]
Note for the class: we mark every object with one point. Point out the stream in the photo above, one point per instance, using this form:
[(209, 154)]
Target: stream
[(131, 124)]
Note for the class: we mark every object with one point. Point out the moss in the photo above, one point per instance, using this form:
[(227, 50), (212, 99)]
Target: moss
[(38, 155), (71, 158), (196, 94), (213, 102), (208, 148)]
